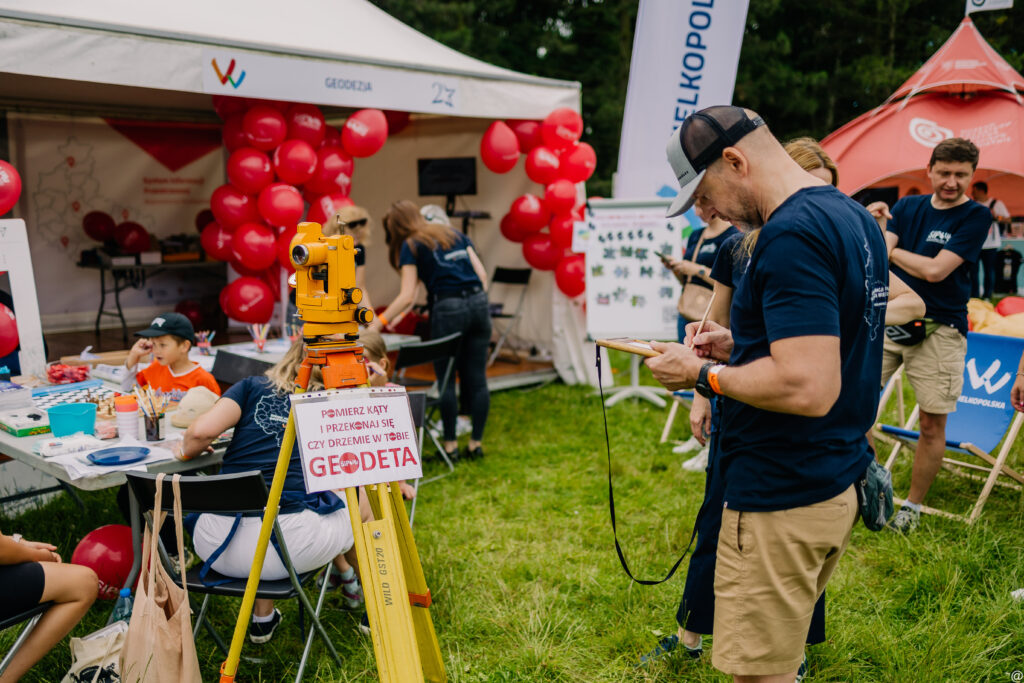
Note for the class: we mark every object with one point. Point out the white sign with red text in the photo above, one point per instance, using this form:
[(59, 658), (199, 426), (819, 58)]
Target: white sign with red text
[(355, 437)]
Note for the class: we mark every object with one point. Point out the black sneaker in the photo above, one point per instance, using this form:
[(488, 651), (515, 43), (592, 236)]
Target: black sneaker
[(262, 632), (473, 454)]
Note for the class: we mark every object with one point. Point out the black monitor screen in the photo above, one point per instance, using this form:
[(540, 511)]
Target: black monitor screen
[(456, 175)]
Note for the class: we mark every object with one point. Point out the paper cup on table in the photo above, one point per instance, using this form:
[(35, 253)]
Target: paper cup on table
[(127, 414)]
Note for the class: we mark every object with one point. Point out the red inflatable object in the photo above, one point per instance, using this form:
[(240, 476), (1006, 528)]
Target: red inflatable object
[(131, 237), (254, 246), (191, 309), (227, 106), (332, 137), (216, 241), (364, 133), (204, 218), (530, 213), (326, 206), (528, 133), (578, 163), (570, 275), (561, 229), (306, 122), (284, 249), (542, 165), (1010, 305), (264, 127), (295, 161), (334, 167), (560, 196), (232, 207), (249, 170), (499, 148), (512, 231), (8, 331), (98, 225), (281, 204), (10, 187), (541, 252), (233, 134), (397, 121), (249, 300), (108, 552), (561, 128)]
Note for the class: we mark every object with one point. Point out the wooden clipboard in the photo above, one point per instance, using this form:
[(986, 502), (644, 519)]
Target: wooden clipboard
[(629, 345)]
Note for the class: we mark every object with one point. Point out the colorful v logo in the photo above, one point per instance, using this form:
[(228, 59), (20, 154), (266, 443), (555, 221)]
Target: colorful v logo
[(225, 76)]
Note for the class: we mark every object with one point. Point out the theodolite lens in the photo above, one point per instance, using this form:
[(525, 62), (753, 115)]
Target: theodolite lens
[(300, 254)]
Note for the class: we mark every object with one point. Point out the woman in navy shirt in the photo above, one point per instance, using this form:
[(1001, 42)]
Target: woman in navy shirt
[(431, 252)]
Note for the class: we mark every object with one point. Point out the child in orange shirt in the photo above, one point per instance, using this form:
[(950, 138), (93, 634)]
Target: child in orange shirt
[(169, 337)]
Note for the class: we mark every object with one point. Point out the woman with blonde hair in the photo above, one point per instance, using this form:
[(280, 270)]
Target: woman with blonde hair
[(316, 526), (447, 264), (354, 221)]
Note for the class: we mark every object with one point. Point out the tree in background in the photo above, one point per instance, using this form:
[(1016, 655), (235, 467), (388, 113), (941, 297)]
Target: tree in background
[(808, 66)]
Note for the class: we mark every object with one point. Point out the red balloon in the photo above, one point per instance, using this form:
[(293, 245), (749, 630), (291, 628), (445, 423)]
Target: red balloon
[(227, 106), (542, 165), (216, 241), (1010, 305), (306, 123), (272, 277), (264, 127), (10, 187), (511, 230), (108, 552), (334, 167), (528, 133), (560, 196), (364, 133), (530, 213), (577, 212), (8, 331), (284, 249), (499, 148), (204, 218), (570, 275), (97, 225), (332, 137), (249, 170), (578, 163), (232, 207), (191, 309), (295, 161), (254, 246), (249, 300), (222, 298), (541, 252), (281, 204), (326, 206), (233, 134), (561, 229), (561, 128), (397, 121), (131, 237)]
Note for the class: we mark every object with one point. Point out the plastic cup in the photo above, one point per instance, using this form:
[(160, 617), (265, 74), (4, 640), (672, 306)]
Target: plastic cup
[(154, 425), (127, 412)]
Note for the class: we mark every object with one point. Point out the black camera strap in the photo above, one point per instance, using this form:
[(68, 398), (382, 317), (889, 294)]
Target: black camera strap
[(611, 498)]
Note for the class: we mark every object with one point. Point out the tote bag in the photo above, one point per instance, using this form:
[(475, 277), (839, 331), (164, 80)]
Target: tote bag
[(694, 299)]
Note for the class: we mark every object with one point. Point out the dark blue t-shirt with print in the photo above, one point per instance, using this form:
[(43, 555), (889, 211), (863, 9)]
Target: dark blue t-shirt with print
[(925, 230), (818, 268), (730, 261), (443, 271), (709, 249), (257, 442)]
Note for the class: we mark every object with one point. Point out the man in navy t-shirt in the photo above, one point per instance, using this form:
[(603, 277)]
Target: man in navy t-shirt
[(934, 241), (800, 386)]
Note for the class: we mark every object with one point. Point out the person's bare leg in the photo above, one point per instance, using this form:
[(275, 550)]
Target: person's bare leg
[(262, 607), (74, 589), (928, 456), (777, 678), (472, 445), (450, 446), (688, 638)]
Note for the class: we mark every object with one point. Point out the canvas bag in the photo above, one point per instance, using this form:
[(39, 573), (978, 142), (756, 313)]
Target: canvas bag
[(694, 299), (159, 647), (95, 657)]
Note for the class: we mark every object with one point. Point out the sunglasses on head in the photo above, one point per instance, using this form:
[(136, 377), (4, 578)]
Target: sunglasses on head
[(357, 223)]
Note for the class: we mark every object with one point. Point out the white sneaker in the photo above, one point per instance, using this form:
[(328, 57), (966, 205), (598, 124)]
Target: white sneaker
[(687, 446), (1018, 594), (697, 463)]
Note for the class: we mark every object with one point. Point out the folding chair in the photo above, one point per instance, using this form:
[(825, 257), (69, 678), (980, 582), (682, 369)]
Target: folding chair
[(515, 277), (680, 398), (32, 616), (984, 416), (444, 349), (229, 494)]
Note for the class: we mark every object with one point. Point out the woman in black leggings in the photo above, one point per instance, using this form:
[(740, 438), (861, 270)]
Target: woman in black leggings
[(430, 251)]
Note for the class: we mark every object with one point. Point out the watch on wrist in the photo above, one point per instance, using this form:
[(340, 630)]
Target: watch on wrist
[(703, 387)]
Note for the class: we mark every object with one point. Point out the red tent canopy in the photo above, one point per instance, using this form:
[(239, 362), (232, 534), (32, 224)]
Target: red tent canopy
[(965, 90)]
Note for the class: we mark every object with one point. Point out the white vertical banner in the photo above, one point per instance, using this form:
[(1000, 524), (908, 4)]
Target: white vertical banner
[(685, 54), (982, 5)]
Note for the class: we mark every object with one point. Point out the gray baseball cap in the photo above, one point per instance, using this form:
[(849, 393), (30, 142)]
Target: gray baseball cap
[(698, 142)]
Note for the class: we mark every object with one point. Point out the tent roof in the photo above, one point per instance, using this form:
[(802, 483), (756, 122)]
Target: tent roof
[(288, 51), (965, 63)]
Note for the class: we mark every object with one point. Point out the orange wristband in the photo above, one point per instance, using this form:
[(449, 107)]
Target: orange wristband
[(382, 319), (713, 378)]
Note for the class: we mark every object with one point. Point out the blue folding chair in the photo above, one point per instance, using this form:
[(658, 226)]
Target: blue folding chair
[(679, 398), (984, 417)]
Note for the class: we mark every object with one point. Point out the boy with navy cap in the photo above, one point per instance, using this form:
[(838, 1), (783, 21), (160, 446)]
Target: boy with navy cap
[(169, 338)]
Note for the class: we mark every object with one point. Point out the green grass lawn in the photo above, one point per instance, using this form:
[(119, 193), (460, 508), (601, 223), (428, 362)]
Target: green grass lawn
[(517, 550)]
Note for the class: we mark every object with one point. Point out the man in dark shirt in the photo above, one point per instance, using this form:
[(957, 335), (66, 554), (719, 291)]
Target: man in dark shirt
[(804, 354), (934, 242)]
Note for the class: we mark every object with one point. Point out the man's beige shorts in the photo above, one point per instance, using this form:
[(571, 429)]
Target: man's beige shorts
[(771, 569), (935, 368)]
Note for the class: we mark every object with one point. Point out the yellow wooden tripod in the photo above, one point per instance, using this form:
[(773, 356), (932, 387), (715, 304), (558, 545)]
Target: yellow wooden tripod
[(397, 598)]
